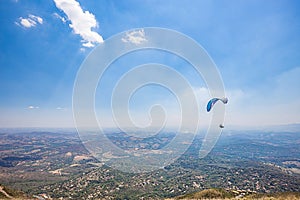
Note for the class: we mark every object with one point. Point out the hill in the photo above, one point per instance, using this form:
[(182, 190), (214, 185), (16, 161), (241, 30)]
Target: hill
[(8, 193), (222, 194)]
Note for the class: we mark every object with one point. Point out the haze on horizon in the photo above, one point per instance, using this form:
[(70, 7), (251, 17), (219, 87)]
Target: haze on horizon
[(255, 45)]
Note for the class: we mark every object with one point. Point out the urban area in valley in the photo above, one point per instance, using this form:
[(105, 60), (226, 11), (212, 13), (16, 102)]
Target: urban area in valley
[(56, 165)]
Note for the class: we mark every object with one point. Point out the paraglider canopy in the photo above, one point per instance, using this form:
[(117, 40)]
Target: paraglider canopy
[(212, 102)]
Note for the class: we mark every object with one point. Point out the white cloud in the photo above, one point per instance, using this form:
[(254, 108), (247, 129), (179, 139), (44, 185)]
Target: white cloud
[(135, 37), (88, 44), (61, 108), (60, 17), (33, 107), (27, 22), (82, 22), (30, 21), (36, 18)]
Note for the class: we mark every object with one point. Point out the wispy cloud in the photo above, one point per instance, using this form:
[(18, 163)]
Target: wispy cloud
[(61, 108), (82, 49), (30, 21), (88, 44), (60, 17), (82, 22), (32, 107), (135, 37)]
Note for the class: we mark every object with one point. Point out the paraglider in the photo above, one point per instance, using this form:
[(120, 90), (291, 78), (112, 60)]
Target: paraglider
[(213, 101)]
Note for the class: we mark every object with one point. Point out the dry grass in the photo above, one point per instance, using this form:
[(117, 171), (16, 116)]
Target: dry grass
[(220, 194)]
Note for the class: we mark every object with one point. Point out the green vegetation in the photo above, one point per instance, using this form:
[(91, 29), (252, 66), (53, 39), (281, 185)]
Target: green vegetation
[(9, 193), (221, 194), (209, 194), (58, 166)]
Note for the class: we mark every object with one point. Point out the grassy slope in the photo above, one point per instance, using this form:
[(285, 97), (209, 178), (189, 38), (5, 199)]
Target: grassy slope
[(221, 194), (8, 193)]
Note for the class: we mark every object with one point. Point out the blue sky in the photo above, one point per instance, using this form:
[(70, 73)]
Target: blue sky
[(255, 44)]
